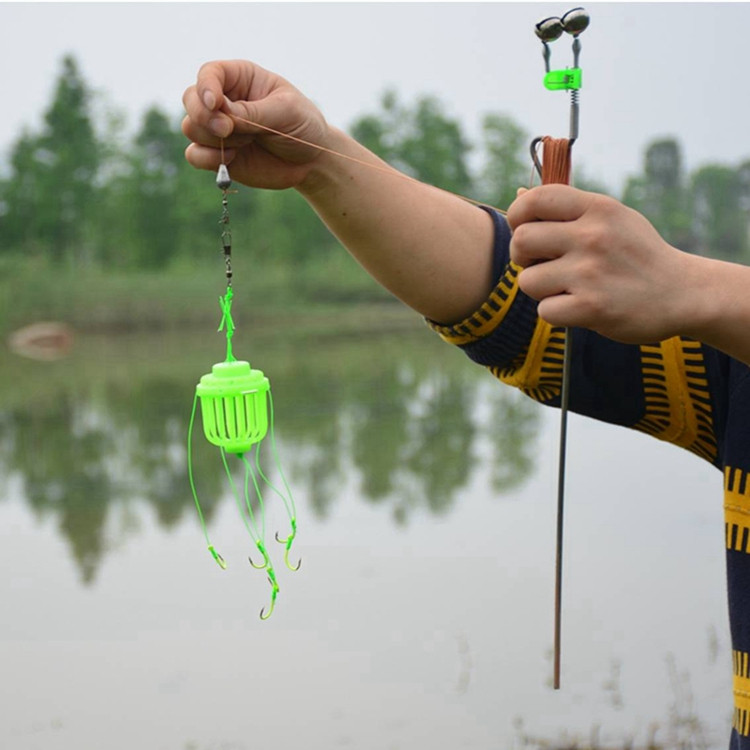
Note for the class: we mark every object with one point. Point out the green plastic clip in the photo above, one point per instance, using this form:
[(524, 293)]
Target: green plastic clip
[(563, 80)]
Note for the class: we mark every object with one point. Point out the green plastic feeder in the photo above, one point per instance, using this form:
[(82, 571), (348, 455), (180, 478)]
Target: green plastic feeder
[(234, 406)]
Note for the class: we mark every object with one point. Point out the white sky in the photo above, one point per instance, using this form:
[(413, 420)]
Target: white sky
[(649, 69)]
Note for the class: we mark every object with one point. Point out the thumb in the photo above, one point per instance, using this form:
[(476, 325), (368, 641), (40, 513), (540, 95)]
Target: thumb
[(251, 118)]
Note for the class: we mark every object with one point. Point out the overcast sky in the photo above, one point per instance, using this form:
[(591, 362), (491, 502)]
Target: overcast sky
[(649, 69)]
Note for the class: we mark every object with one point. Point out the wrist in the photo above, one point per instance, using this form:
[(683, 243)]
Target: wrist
[(325, 169), (717, 308)]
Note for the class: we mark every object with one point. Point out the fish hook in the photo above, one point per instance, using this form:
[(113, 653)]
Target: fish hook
[(219, 559), (266, 560), (288, 542), (274, 594)]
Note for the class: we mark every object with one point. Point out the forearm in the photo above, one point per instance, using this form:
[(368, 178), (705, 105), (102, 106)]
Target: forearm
[(429, 248), (717, 308)]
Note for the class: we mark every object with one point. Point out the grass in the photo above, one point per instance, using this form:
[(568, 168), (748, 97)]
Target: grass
[(96, 300)]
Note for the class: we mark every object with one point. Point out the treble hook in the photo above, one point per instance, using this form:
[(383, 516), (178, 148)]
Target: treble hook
[(274, 594), (288, 542)]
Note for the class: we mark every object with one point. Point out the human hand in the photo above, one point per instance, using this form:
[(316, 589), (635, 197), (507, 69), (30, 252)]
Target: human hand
[(592, 262), (244, 90)]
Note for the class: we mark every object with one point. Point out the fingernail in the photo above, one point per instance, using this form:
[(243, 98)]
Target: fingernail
[(209, 100), (219, 126)]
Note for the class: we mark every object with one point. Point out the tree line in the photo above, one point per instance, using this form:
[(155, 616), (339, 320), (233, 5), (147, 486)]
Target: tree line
[(79, 193)]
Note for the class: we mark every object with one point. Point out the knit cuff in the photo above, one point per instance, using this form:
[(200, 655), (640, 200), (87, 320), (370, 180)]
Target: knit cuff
[(502, 327)]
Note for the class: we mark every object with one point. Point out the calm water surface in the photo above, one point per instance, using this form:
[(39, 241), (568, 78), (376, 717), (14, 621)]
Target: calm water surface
[(422, 614)]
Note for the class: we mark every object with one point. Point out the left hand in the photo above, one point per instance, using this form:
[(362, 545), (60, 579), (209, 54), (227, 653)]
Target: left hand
[(592, 262)]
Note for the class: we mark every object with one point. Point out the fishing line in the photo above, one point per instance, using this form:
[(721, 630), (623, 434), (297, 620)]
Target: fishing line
[(377, 167)]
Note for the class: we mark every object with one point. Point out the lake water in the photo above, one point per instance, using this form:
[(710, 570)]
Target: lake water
[(422, 614)]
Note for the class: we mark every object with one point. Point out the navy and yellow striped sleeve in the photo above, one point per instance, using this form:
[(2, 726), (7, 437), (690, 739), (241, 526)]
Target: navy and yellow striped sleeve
[(661, 389), (499, 331), (677, 390)]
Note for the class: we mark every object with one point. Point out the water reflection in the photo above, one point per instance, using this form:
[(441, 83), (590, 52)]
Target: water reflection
[(108, 427), (425, 598)]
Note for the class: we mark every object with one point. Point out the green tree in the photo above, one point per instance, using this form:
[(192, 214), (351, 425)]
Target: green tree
[(660, 193), (52, 186), (153, 190), (281, 226), (17, 229), (719, 216), (422, 141), (505, 160)]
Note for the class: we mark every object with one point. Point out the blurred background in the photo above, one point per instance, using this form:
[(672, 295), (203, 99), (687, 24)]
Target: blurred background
[(422, 614)]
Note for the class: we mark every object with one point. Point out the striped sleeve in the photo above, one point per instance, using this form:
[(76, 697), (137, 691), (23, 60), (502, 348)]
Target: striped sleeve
[(500, 330), (661, 389)]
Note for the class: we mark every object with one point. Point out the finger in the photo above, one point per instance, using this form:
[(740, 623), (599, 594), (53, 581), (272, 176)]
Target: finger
[(235, 79), (548, 203), (543, 281), (205, 157), (212, 83), (565, 310), (244, 114), (277, 111), (563, 301), (203, 123), (283, 114), (536, 242)]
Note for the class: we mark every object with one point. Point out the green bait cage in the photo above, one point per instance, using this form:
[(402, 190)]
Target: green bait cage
[(236, 408)]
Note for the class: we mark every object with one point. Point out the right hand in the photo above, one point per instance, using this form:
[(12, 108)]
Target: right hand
[(258, 158), (593, 262)]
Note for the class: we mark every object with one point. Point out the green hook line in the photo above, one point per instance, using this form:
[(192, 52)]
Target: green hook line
[(266, 557), (288, 542), (267, 565), (250, 474), (250, 524), (274, 593), (287, 497), (290, 507), (219, 559), (254, 534)]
